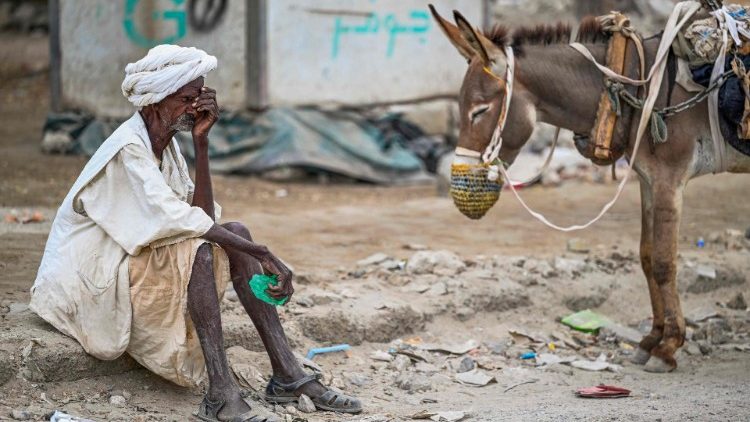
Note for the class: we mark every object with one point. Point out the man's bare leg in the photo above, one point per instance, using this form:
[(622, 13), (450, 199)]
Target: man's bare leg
[(265, 318), (203, 305)]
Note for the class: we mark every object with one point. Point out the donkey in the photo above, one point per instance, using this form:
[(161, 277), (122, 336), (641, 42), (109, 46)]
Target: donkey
[(555, 84)]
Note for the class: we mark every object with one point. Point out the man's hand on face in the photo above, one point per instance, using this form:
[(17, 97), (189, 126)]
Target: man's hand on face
[(207, 113)]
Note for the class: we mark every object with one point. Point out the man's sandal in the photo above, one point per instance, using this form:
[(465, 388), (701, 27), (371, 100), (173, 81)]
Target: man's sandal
[(209, 411), (279, 393)]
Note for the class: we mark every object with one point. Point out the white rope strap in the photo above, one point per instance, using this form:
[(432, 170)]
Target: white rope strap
[(655, 77), (493, 149)]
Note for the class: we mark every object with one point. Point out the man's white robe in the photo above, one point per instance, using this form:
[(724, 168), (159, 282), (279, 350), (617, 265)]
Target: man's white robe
[(82, 286)]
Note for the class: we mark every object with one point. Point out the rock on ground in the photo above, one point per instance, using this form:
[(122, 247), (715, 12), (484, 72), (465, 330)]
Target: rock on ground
[(440, 262), (305, 404)]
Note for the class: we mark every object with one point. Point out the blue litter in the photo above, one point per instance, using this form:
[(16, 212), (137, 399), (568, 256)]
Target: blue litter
[(700, 243), (528, 355), (320, 350)]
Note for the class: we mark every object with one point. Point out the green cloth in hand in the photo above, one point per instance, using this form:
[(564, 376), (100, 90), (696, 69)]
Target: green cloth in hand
[(259, 283)]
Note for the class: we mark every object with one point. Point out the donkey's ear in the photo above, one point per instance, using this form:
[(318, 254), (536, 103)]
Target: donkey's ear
[(454, 35), (487, 50)]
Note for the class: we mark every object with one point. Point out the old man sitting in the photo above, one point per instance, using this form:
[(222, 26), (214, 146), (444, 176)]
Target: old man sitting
[(136, 262)]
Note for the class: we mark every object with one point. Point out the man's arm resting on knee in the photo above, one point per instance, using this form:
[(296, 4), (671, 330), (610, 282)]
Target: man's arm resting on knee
[(270, 263), (226, 239)]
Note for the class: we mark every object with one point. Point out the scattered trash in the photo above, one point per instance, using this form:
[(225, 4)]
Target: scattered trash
[(706, 271), (455, 349), (59, 416), (551, 359), (321, 350), (475, 378), (414, 355), (600, 364), (700, 242), (448, 416), (528, 355), (586, 321), (565, 339), (620, 332), (603, 392), (533, 338)]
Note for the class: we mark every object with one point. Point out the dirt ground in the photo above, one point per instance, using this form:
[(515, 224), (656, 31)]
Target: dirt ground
[(323, 230)]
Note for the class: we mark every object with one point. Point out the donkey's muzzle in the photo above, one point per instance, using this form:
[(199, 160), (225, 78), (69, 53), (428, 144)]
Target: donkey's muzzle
[(472, 191)]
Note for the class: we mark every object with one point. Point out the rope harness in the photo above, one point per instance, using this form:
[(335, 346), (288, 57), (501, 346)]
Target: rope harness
[(617, 91), (680, 15)]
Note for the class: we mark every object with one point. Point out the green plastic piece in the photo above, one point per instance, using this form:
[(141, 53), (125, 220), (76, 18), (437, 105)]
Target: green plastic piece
[(259, 283), (586, 321)]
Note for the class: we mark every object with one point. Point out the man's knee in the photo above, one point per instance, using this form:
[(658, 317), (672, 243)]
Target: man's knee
[(239, 229)]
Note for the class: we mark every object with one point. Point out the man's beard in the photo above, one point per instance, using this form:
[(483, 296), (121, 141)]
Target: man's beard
[(184, 123)]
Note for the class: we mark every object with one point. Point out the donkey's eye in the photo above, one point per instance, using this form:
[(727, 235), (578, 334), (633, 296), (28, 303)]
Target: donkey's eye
[(477, 111)]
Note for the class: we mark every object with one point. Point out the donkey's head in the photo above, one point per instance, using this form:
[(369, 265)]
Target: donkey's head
[(482, 99), (483, 90)]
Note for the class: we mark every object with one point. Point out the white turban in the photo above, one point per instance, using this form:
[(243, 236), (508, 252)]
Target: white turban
[(165, 69)]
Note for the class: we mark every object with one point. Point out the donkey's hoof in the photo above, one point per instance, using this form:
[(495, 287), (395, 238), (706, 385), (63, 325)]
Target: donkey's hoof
[(658, 365), (640, 357)]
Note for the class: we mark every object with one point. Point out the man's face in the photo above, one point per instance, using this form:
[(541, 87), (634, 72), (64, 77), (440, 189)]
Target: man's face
[(177, 109)]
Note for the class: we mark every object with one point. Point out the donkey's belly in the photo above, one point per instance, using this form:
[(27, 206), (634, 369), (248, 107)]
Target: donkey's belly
[(704, 159), (737, 162)]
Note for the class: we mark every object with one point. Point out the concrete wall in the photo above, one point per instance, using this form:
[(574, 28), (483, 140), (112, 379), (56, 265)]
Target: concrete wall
[(99, 37), (361, 52), (353, 52)]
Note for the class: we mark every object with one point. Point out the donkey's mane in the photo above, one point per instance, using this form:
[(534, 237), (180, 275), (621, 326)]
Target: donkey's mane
[(589, 31)]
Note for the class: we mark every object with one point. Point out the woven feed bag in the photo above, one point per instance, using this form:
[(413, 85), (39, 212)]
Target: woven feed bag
[(472, 192)]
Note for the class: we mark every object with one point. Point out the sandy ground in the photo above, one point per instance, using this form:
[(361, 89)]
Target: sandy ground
[(325, 229)]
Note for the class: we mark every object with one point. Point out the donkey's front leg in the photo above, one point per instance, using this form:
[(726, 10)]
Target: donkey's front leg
[(649, 342), (667, 212)]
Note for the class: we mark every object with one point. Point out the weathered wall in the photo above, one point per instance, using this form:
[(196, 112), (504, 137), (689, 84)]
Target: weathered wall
[(317, 51), (361, 52), (99, 37)]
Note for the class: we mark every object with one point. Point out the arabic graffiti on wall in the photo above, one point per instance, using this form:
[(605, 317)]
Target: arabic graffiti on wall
[(204, 16), (418, 26)]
